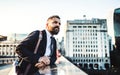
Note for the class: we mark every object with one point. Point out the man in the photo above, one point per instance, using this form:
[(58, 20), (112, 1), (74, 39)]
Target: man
[(44, 56)]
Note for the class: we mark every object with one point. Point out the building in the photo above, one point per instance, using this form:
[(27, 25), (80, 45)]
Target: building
[(87, 43), (7, 52), (3, 38), (7, 48), (115, 54), (116, 22), (62, 48)]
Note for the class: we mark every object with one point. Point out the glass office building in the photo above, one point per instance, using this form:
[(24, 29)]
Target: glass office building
[(116, 21)]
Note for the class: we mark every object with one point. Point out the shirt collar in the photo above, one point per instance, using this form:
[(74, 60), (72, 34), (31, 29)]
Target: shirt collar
[(48, 33)]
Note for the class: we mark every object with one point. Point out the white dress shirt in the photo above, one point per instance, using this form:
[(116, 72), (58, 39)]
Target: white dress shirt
[(48, 51)]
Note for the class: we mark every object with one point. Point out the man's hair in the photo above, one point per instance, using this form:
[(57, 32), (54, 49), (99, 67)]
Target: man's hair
[(54, 16)]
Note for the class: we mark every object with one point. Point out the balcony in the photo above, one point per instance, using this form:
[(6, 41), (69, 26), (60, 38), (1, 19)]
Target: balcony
[(63, 67)]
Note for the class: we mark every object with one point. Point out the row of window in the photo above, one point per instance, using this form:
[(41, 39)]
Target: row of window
[(86, 46), (87, 55), (84, 38), (87, 50), (7, 53), (90, 60), (8, 45), (7, 48), (99, 29), (84, 26), (89, 42), (85, 34)]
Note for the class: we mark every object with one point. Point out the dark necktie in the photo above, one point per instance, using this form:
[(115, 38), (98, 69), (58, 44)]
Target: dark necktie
[(52, 45)]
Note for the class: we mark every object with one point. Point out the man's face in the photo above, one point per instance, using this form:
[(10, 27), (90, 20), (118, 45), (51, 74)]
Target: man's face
[(53, 26)]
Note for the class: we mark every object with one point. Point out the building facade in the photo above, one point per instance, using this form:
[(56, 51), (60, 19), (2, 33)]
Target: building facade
[(7, 48), (7, 52), (116, 21), (3, 38), (87, 43), (115, 54)]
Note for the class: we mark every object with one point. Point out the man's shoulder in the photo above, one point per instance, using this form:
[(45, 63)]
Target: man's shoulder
[(37, 31), (34, 32)]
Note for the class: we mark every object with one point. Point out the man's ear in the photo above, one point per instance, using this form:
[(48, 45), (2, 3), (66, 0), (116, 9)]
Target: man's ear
[(47, 25)]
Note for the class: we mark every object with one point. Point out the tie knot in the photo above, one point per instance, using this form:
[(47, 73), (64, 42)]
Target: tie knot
[(52, 37)]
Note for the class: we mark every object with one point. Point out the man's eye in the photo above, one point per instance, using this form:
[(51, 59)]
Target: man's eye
[(55, 22)]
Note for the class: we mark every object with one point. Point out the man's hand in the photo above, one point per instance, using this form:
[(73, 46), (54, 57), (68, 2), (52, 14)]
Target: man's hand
[(43, 61), (40, 65)]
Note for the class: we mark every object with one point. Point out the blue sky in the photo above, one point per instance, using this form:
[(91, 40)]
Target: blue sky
[(24, 16)]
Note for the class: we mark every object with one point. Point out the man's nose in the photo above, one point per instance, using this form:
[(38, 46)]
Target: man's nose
[(58, 24)]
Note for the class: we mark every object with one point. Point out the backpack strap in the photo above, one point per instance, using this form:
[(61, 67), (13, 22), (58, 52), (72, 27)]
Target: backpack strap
[(40, 38)]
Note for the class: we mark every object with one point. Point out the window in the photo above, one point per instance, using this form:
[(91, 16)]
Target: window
[(79, 26), (89, 27), (94, 27), (74, 26)]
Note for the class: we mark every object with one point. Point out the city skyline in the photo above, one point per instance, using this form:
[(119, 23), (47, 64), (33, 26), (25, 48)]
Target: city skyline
[(25, 16)]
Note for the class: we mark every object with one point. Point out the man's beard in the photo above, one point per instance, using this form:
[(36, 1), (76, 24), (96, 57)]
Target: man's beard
[(55, 30)]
